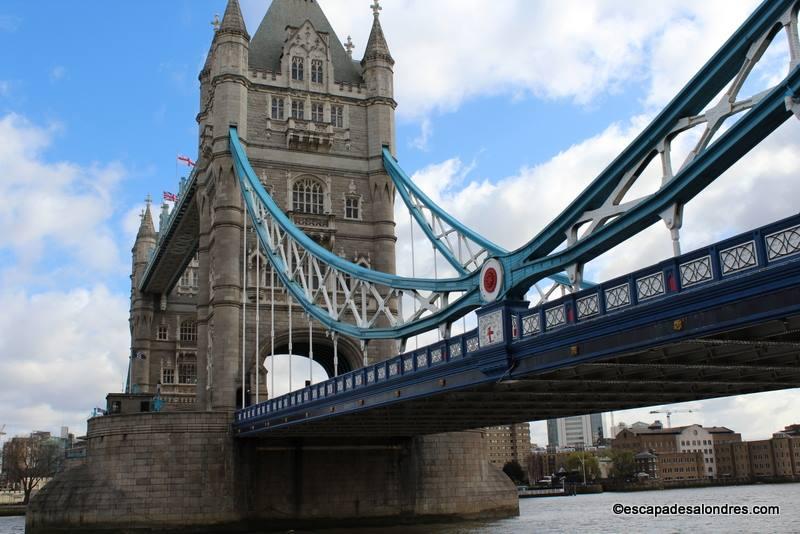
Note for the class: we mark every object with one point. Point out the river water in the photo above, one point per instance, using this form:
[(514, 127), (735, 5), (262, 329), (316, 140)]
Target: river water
[(595, 514)]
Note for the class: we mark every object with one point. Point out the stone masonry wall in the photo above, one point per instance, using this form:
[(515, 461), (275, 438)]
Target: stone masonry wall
[(182, 472), (326, 481), (144, 470)]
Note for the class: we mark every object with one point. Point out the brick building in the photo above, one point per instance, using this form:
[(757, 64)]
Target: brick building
[(684, 453), (778, 456), (506, 443)]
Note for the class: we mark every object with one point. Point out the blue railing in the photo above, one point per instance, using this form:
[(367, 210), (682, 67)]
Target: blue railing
[(733, 256), (729, 258)]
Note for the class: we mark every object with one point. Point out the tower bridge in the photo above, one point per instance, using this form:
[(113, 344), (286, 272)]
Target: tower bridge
[(283, 240)]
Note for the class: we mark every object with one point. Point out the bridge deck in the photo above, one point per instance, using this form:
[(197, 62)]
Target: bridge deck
[(720, 321)]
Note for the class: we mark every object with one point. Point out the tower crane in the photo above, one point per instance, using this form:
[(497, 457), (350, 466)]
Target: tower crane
[(670, 412)]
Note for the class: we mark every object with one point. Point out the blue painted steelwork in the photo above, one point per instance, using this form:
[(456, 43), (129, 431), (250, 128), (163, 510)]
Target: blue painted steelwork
[(251, 183), (553, 325), (254, 192), (530, 262), (406, 187), (185, 196), (537, 259)]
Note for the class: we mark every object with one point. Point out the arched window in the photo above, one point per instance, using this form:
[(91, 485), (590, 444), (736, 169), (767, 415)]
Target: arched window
[(308, 196), (297, 68), (187, 368), (316, 71), (189, 330), (167, 371)]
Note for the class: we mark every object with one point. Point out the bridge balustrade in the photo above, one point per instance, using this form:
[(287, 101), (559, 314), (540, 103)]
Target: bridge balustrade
[(736, 256)]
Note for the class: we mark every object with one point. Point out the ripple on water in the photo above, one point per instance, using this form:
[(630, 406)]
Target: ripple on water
[(593, 513)]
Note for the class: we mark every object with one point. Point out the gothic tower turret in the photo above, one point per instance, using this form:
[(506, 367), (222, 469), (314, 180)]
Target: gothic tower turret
[(142, 305), (378, 74), (225, 79)]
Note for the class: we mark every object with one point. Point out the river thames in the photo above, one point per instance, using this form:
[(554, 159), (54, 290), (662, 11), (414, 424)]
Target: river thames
[(595, 514)]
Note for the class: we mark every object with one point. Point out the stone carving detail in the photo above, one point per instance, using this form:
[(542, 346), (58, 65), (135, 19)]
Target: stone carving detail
[(210, 356)]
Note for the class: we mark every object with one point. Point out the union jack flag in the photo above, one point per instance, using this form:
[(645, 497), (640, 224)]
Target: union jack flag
[(186, 160), (169, 197)]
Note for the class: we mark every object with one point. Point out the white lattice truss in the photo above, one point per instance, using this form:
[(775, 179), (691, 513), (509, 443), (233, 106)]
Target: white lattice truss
[(344, 298), (712, 119), (469, 255)]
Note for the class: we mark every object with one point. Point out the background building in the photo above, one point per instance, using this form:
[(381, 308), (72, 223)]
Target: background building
[(508, 443), (577, 431)]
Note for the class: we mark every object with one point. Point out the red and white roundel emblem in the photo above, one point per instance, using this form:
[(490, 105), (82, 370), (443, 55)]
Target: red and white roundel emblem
[(491, 280)]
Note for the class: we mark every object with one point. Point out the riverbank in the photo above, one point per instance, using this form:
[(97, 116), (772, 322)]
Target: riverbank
[(658, 485), (12, 509)]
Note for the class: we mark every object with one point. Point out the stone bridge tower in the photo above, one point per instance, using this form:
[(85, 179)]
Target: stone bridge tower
[(313, 121)]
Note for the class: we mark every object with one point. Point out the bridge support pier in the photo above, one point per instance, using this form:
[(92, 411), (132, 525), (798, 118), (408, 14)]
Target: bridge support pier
[(183, 472)]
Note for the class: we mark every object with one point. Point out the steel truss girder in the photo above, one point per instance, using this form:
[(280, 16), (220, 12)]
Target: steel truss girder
[(464, 249), (600, 210), (307, 270), (343, 296)]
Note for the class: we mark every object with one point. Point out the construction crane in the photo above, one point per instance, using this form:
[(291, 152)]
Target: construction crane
[(670, 412)]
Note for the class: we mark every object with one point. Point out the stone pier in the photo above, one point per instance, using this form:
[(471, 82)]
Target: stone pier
[(183, 472)]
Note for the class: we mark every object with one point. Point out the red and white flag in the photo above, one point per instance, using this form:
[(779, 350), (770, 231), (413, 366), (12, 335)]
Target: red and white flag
[(186, 160), (169, 197)]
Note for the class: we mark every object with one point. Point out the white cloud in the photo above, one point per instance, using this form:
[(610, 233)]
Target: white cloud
[(5, 88), (62, 352), (63, 346), (426, 132), (57, 73), (549, 49), (54, 209)]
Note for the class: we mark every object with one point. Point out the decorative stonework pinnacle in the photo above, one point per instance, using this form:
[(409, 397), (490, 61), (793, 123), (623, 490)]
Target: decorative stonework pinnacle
[(376, 8), (349, 46), (148, 200), (216, 22)]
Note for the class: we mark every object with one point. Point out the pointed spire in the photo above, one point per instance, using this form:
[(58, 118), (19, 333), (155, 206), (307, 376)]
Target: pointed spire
[(233, 21), (147, 228), (163, 217), (377, 49), (207, 65)]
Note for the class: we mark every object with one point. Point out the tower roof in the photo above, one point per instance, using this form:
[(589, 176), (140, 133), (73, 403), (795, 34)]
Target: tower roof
[(232, 20), (146, 228), (267, 43), (377, 48)]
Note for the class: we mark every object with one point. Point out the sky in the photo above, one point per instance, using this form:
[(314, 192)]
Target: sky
[(507, 110)]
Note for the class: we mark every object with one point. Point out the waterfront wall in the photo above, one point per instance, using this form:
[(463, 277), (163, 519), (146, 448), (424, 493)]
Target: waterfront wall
[(170, 470), (184, 471)]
